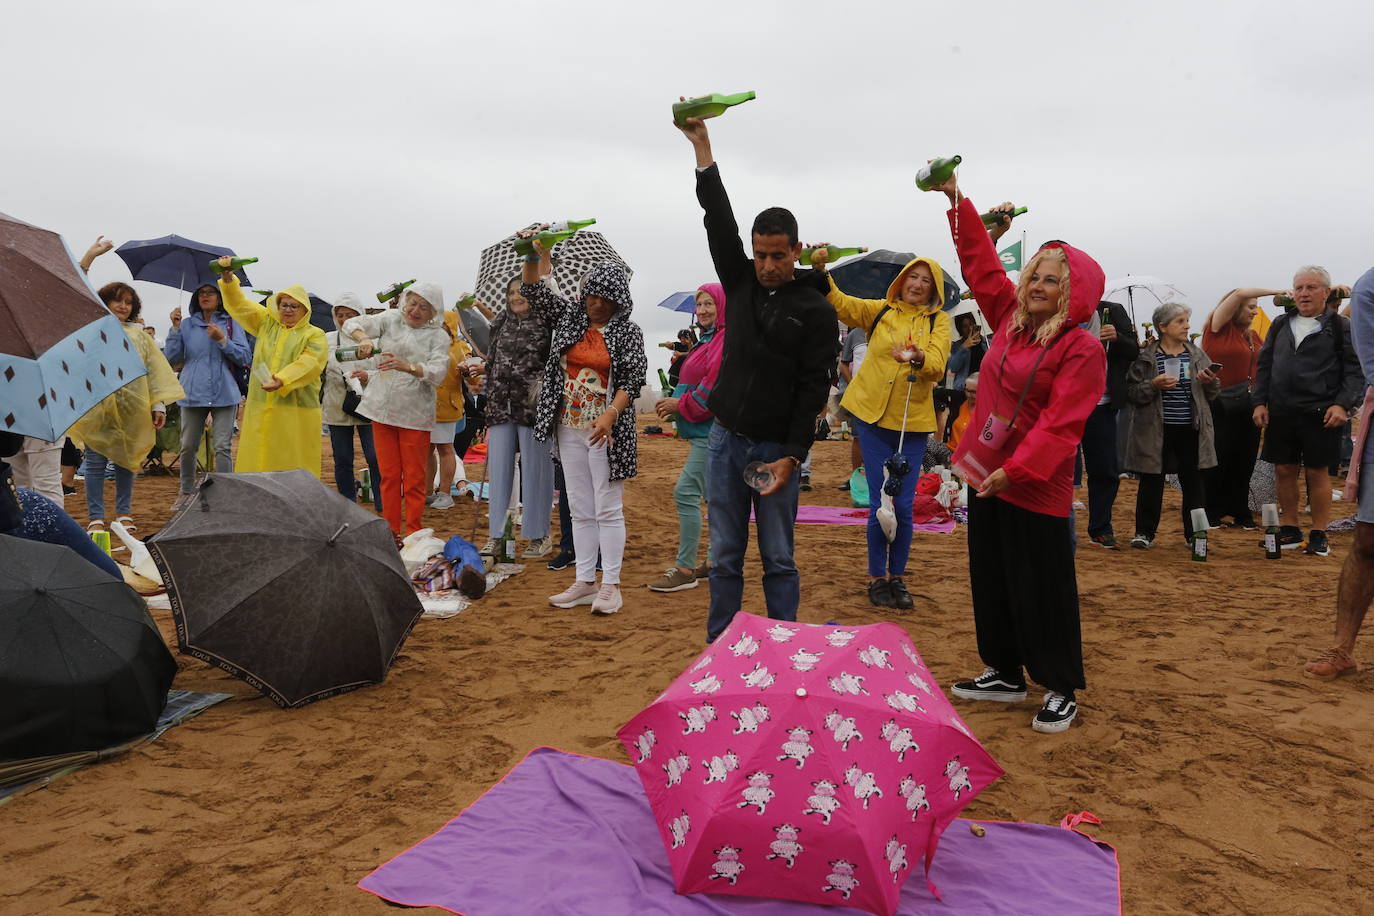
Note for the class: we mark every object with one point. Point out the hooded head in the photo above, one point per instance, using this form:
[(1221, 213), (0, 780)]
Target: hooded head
[(346, 306), (426, 291), (717, 294), (611, 285), (207, 290), (1063, 276), (937, 290), (300, 314)]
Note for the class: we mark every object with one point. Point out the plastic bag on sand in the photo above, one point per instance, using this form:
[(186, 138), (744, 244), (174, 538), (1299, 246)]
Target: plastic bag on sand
[(419, 547)]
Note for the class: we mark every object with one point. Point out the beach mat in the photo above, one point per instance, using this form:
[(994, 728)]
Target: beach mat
[(567, 834), (839, 515), (448, 603), (17, 776)]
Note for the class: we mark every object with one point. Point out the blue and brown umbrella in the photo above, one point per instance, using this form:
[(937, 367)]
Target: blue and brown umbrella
[(61, 351)]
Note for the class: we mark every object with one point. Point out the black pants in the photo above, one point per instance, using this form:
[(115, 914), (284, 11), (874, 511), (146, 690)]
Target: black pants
[(565, 532), (1025, 593), (1104, 471), (1179, 456), (1237, 442)]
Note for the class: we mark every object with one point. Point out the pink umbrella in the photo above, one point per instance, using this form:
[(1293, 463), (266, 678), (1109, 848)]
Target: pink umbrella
[(805, 762)]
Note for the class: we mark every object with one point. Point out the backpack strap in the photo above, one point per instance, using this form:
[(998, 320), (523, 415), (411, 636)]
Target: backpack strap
[(887, 308)]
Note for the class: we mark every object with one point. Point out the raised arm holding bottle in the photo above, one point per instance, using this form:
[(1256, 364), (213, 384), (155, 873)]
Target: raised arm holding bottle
[(773, 380)]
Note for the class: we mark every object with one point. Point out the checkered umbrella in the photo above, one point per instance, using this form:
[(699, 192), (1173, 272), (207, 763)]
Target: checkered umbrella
[(572, 260)]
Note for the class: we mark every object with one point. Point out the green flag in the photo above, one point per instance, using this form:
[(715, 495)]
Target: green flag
[(1011, 257)]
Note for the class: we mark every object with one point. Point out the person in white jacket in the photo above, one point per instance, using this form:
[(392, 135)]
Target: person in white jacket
[(412, 348), (343, 425)]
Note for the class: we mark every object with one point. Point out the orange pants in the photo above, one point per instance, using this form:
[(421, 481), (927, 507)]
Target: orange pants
[(401, 455)]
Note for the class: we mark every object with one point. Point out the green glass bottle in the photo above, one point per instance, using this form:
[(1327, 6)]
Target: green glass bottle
[(835, 253), (466, 302), (707, 106), (366, 488), (1199, 520), (263, 292), (936, 172), (505, 551), (994, 217), (392, 291), (966, 295), (1269, 516), (665, 384), (234, 264), (558, 232)]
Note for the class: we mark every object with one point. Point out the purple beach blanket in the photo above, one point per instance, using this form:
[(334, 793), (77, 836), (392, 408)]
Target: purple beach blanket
[(569, 835)]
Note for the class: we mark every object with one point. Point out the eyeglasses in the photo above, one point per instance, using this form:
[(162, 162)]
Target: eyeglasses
[(290, 305)]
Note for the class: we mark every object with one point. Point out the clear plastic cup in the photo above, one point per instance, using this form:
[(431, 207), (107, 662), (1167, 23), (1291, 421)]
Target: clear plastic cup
[(1173, 367), (757, 475)]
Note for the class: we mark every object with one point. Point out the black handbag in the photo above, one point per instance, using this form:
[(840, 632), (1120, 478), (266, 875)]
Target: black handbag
[(1235, 398)]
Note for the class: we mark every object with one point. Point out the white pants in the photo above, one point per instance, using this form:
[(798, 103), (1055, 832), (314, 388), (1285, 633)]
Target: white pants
[(38, 467), (596, 505)]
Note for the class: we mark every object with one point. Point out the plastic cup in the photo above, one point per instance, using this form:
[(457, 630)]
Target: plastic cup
[(758, 476), (102, 540), (1174, 367)]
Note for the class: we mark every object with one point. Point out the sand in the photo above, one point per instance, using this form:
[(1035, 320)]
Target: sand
[(1227, 782)]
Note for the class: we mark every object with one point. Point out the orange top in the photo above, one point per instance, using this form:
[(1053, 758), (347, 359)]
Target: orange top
[(586, 378), (956, 430)]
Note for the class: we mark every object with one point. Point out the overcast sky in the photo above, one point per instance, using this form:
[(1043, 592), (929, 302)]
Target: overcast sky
[(352, 144)]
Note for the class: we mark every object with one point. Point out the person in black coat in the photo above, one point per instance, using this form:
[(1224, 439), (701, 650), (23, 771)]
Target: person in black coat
[(1100, 457)]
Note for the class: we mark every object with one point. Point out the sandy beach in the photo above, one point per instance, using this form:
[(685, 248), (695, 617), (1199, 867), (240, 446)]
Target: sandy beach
[(1227, 782)]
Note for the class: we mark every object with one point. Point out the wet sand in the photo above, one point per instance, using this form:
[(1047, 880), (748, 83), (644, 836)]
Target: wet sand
[(1227, 782)]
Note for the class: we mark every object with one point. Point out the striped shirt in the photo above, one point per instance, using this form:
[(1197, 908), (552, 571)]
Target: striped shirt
[(1178, 400)]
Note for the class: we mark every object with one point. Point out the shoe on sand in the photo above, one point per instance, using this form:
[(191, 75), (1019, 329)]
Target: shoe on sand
[(575, 594), (1331, 664), (991, 685), (538, 548), (608, 600), (704, 571), (673, 580), (1057, 714), (442, 501)]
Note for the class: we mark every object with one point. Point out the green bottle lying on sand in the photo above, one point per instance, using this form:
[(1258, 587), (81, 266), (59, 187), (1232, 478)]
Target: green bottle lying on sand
[(833, 254), (936, 172), (558, 232), (234, 264), (993, 217), (392, 291), (707, 106)]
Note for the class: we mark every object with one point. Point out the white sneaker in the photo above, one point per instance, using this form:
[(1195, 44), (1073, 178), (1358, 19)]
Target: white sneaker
[(577, 593), (489, 548), (442, 501), (538, 548), (608, 600), (429, 500)]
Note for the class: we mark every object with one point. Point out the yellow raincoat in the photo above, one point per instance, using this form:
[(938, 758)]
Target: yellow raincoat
[(281, 429), (878, 394), (121, 426), (448, 398)]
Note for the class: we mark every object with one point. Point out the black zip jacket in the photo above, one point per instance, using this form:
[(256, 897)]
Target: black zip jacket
[(779, 345), (1120, 352), (1321, 372)]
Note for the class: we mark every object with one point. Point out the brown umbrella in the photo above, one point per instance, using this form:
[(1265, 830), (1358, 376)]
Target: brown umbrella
[(61, 351)]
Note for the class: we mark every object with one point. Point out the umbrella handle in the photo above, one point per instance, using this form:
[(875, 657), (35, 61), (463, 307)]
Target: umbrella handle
[(335, 536)]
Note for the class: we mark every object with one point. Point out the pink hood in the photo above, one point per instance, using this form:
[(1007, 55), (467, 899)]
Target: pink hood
[(703, 364)]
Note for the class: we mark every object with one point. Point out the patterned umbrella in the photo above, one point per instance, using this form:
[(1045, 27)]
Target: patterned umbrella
[(805, 762), (174, 261), (572, 260), (61, 351)]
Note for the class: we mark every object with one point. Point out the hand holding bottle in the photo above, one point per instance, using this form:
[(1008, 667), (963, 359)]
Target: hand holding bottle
[(1002, 214), (950, 187), (694, 129), (359, 374), (820, 255), (666, 407)]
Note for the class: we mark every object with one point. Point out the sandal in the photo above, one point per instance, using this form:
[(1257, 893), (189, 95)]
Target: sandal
[(96, 524), (128, 523)]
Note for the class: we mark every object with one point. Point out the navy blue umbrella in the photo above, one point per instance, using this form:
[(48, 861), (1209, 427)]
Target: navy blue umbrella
[(869, 275), (680, 302), (174, 261)]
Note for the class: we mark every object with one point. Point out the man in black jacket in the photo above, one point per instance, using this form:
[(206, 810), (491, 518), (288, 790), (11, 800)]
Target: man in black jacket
[(774, 379), (1307, 380), (1100, 455)]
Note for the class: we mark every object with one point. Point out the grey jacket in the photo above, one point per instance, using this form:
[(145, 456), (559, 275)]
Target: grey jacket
[(1145, 447)]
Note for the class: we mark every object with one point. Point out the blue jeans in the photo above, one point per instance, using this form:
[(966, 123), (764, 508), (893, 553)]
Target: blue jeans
[(45, 521), (536, 479), (222, 438), (93, 469), (341, 444), (877, 444), (731, 500)]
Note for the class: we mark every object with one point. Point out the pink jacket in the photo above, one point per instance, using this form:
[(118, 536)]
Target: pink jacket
[(703, 365)]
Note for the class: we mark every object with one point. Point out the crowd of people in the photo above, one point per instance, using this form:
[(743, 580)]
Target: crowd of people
[(1051, 385)]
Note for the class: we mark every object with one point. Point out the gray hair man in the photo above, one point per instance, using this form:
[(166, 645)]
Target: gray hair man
[(1306, 383)]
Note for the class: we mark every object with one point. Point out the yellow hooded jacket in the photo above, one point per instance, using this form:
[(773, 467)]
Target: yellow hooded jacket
[(121, 426), (878, 394), (281, 429), (448, 400)]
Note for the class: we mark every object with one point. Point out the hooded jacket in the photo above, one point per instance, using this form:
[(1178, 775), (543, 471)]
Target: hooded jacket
[(1066, 386), (120, 427), (517, 352), (335, 372), (281, 428), (624, 342), (207, 366), (448, 397), (878, 394), (699, 371), (780, 344), (399, 398)]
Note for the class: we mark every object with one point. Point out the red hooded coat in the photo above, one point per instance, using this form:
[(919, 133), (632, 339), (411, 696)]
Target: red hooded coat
[(1067, 385)]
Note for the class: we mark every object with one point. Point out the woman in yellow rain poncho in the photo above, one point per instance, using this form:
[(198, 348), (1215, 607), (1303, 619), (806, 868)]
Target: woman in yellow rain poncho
[(123, 427), (281, 418)]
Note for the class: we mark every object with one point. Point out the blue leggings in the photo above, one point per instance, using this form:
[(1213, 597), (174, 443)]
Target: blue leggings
[(877, 444)]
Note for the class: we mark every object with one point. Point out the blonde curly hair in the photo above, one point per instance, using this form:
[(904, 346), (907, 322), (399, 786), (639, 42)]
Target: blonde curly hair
[(1021, 318)]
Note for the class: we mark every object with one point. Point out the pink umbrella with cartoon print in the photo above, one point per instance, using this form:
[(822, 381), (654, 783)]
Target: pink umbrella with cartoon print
[(805, 762)]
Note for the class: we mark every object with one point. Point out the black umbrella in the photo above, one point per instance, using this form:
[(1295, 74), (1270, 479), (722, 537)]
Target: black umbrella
[(284, 583), (82, 665), (869, 275)]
